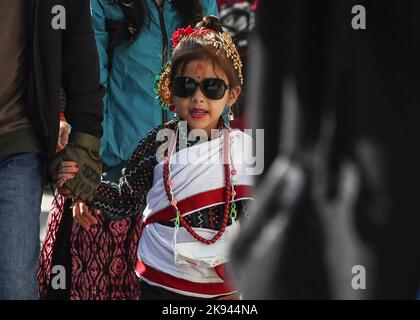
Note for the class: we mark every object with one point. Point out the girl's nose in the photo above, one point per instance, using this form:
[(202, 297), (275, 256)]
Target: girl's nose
[(198, 95)]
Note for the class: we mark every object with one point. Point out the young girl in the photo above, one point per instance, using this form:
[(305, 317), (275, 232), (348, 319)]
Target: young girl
[(193, 191), (133, 40)]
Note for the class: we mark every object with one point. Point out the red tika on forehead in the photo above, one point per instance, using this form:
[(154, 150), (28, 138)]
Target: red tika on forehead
[(199, 66)]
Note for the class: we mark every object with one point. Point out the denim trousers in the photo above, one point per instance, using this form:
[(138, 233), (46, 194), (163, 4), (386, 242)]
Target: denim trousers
[(21, 187)]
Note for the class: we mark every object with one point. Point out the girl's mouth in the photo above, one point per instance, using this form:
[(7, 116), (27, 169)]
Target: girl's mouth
[(198, 113)]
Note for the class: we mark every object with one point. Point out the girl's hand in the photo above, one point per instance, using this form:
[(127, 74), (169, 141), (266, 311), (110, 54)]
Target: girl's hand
[(83, 215), (66, 171)]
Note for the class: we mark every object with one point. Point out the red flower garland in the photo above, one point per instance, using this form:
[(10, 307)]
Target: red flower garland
[(184, 32)]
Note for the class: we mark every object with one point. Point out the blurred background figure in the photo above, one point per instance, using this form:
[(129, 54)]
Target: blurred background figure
[(134, 43), (238, 18), (337, 211)]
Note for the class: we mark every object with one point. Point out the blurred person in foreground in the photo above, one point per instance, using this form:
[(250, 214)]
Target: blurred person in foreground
[(337, 212)]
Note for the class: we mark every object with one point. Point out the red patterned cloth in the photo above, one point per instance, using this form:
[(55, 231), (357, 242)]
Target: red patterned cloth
[(102, 259)]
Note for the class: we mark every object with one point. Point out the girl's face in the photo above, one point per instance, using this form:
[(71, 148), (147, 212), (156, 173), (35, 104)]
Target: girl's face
[(200, 111)]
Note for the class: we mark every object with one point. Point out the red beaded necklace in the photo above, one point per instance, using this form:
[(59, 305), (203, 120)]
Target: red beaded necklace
[(229, 192)]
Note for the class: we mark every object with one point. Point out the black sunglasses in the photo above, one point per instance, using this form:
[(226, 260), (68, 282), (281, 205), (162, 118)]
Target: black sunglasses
[(212, 88)]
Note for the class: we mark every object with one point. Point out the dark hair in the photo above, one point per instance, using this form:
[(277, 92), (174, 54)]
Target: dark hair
[(209, 22), (199, 48), (190, 10)]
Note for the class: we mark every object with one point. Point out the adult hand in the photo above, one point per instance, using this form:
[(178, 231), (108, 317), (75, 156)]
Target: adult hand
[(84, 150)]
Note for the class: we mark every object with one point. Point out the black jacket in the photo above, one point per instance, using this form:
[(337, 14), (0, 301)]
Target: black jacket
[(68, 57)]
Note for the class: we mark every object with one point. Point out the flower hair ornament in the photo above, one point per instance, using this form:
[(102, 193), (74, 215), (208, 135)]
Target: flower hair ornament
[(221, 41)]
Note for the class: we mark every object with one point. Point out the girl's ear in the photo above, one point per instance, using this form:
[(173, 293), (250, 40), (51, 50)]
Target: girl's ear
[(234, 95)]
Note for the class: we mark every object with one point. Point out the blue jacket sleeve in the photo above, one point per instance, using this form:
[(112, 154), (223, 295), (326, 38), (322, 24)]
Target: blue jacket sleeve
[(101, 36), (210, 8)]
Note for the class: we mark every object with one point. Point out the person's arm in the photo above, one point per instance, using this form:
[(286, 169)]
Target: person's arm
[(101, 37), (210, 8), (84, 109), (80, 71), (125, 198)]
